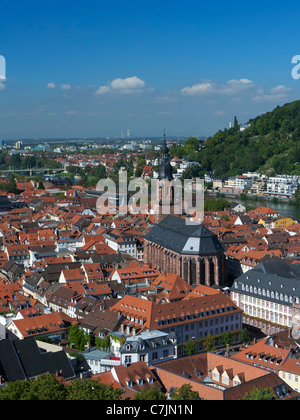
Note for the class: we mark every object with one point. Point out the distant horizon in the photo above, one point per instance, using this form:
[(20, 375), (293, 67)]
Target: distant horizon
[(105, 138)]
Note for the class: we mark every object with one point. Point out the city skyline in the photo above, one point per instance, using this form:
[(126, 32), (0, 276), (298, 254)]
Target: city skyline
[(93, 71)]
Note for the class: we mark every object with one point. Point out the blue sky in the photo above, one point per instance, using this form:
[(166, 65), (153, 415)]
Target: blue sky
[(94, 68)]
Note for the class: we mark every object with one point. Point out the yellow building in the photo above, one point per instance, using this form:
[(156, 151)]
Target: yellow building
[(290, 373), (283, 222)]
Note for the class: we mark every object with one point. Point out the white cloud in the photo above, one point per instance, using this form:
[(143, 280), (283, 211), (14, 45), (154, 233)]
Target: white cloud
[(280, 89), (2, 86), (198, 89), (276, 94), (230, 87), (65, 87), (102, 90), (127, 85), (240, 84), (51, 85)]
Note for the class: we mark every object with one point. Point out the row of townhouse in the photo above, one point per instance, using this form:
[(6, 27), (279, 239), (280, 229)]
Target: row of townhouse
[(282, 185), (279, 185)]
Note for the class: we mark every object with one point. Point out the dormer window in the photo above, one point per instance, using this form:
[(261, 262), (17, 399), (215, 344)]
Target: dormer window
[(216, 376), (225, 379)]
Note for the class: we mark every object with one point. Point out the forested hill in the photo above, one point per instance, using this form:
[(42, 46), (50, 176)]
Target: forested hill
[(271, 143)]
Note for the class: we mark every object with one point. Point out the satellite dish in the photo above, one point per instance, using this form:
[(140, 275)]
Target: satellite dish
[(295, 335)]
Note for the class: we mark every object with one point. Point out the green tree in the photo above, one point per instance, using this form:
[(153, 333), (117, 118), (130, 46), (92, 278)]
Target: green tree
[(297, 195), (193, 171), (46, 387), (103, 343), (15, 161), (213, 204), (76, 337), (29, 162), (209, 343), (3, 156), (244, 336), (88, 389), (271, 141), (14, 391), (259, 394), (185, 392), (11, 186), (236, 124), (190, 347), (226, 339), (152, 394)]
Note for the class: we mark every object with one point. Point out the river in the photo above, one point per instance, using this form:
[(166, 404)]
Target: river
[(284, 209)]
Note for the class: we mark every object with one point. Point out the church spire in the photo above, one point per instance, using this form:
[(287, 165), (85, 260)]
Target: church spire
[(165, 170)]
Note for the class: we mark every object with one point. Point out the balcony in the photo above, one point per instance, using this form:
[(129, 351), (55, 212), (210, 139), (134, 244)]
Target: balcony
[(109, 362)]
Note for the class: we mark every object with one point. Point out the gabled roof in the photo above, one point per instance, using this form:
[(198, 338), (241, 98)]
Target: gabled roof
[(99, 321), (41, 324), (22, 360), (202, 290), (129, 376), (171, 286), (263, 355)]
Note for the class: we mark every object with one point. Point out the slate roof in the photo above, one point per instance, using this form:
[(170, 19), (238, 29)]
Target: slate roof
[(173, 233), (22, 360), (101, 322), (10, 365), (273, 275), (5, 203), (150, 340)]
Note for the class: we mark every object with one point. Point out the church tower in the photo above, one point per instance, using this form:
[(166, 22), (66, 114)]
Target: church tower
[(164, 185), (165, 170)]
